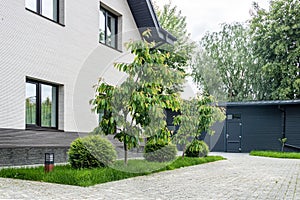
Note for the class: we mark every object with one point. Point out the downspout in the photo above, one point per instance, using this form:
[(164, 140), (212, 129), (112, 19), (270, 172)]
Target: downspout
[(283, 124), (283, 117)]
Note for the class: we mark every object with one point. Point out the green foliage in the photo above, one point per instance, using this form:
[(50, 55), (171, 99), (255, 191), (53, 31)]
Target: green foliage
[(206, 75), (91, 151), (282, 141), (193, 161), (171, 19), (102, 104), (46, 110), (164, 135), (160, 151), (225, 66), (135, 109), (30, 112), (88, 177), (197, 116), (275, 36), (276, 154), (257, 60), (197, 148)]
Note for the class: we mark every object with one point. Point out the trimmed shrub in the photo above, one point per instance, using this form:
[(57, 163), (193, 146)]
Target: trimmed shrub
[(91, 151), (159, 152), (198, 148)]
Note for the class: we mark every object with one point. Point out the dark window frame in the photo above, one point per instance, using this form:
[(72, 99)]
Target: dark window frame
[(38, 124), (39, 11), (109, 13)]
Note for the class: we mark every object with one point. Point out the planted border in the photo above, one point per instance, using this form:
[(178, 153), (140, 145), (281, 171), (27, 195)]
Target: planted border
[(88, 177), (276, 154)]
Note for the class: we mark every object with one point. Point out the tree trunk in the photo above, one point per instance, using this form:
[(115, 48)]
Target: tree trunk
[(125, 152), (183, 151)]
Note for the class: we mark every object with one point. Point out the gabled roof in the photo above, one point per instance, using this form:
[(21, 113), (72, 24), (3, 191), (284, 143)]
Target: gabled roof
[(261, 103), (145, 18)]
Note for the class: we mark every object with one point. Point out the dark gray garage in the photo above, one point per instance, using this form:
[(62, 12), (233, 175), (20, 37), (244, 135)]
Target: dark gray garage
[(257, 126)]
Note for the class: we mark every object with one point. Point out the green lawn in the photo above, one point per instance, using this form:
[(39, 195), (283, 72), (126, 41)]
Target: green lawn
[(87, 177), (276, 154)]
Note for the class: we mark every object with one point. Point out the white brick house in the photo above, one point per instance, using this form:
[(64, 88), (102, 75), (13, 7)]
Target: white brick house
[(53, 52)]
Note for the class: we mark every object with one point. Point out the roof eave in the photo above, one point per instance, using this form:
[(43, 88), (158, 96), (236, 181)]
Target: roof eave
[(259, 103), (166, 36), (159, 35)]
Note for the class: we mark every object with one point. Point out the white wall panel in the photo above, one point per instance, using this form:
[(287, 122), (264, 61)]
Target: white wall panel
[(32, 46)]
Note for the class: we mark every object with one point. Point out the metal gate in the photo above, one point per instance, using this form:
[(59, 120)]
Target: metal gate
[(234, 133)]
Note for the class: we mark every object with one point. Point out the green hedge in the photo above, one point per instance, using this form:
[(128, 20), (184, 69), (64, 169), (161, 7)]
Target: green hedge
[(91, 151), (159, 152), (198, 148)]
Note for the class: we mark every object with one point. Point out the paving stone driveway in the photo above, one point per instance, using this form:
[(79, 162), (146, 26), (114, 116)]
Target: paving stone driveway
[(240, 177)]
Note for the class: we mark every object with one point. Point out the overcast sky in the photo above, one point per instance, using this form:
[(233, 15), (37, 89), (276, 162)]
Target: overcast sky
[(207, 15)]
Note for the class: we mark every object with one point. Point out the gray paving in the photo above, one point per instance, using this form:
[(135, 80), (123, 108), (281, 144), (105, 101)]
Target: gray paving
[(239, 177)]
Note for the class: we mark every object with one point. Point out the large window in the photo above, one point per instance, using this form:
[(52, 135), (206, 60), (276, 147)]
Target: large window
[(108, 27), (46, 8), (41, 105)]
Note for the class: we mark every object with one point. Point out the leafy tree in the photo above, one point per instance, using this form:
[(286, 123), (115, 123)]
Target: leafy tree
[(225, 66), (275, 35), (206, 74), (197, 116), (171, 19), (137, 106), (102, 103)]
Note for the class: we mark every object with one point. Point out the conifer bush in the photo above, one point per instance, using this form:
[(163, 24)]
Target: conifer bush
[(91, 151)]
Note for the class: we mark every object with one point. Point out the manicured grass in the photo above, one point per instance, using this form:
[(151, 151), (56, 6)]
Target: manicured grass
[(87, 177), (276, 154)]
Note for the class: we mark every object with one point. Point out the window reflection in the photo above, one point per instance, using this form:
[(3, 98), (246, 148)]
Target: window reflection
[(102, 26), (31, 4), (31, 103), (47, 8), (48, 106), (107, 28), (41, 104)]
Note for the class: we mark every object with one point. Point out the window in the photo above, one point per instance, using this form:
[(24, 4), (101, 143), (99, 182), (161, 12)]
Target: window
[(234, 116), (108, 28), (46, 8), (41, 105)]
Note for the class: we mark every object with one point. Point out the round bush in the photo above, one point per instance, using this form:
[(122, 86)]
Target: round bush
[(160, 152), (91, 151), (198, 148)]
